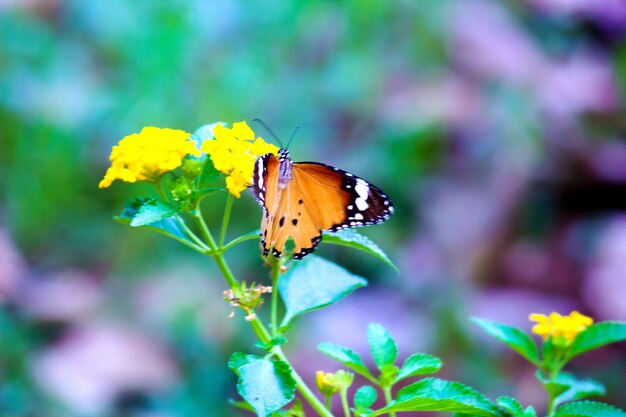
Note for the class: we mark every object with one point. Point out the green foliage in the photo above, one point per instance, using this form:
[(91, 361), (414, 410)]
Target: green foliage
[(512, 337), (433, 394), (419, 364), (167, 226), (314, 283), (365, 397), (382, 346), (346, 356), (597, 335), (511, 406), (267, 385), (353, 239), (152, 211), (566, 387), (588, 409)]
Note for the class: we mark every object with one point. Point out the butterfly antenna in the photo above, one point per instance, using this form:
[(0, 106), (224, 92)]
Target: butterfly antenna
[(267, 128), (293, 135)]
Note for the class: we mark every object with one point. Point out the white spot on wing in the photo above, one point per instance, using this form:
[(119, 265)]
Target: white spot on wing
[(362, 189), (358, 216)]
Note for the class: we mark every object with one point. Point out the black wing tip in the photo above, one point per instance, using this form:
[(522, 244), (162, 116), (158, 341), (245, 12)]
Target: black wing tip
[(306, 251)]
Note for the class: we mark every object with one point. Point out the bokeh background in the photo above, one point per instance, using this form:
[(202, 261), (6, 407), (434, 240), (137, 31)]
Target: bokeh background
[(497, 127)]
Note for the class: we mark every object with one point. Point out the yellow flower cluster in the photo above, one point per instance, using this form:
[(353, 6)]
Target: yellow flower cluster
[(234, 151), (147, 155), (558, 327)]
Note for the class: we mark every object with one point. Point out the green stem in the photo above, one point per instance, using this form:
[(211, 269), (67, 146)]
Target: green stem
[(387, 391), (227, 210), (203, 247), (303, 389), (275, 275), (238, 240), (257, 325), (327, 402), (197, 214), (344, 402)]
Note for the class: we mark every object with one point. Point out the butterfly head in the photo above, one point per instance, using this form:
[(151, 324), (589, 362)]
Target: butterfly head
[(283, 155)]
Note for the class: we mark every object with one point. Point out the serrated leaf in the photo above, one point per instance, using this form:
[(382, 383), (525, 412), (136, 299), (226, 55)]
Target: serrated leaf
[(511, 406), (239, 359), (152, 211), (314, 283), (530, 411), (513, 337), (566, 387), (353, 239), (588, 409), (208, 174), (241, 405), (296, 410), (419, 364), (433, 394), (168, 227), (276, 341), (365, 397), (346, 356), (554, 387), (598, 335), (382, 346), (265, 384)]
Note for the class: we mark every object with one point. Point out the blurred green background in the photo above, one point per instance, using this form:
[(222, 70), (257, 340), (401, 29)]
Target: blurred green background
[(497, 127)]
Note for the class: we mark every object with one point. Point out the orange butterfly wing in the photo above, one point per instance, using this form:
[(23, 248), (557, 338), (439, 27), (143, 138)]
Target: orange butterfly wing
[(316, 197)]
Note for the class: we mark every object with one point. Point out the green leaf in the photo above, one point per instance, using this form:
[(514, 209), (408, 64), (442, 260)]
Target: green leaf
[(588, 409), (265, 384), (566, 387), (419, 364), (347, 356), (295, 410), (597, 335), (241, 405), (512, 337), (382, 346), (353, 239), (168, 227), (511, 406), (152, 211), (276, 341), (530, 411), (365, 397), (239, 359), (314, 283), (433, 394), (208, 174)]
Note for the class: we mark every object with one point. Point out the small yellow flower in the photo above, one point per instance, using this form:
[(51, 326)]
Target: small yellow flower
[(234, 151), (330, 384), (325, 382), (147, 155), (562, 329)]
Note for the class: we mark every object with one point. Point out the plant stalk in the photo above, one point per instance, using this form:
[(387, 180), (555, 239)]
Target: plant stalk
[(257, 325), (275, 276), (388, 399), (344, 402), (227, 210)]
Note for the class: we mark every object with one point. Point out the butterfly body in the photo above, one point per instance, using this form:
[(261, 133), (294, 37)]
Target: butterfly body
[(302, 199)]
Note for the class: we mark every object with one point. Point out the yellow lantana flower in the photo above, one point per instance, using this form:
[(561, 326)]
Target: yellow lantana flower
[(560, 328), (146, 155), (325, 382), (234, 151), (330, 384)]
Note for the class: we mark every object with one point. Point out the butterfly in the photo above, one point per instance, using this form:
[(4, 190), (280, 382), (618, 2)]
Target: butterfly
[(302, 199)]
